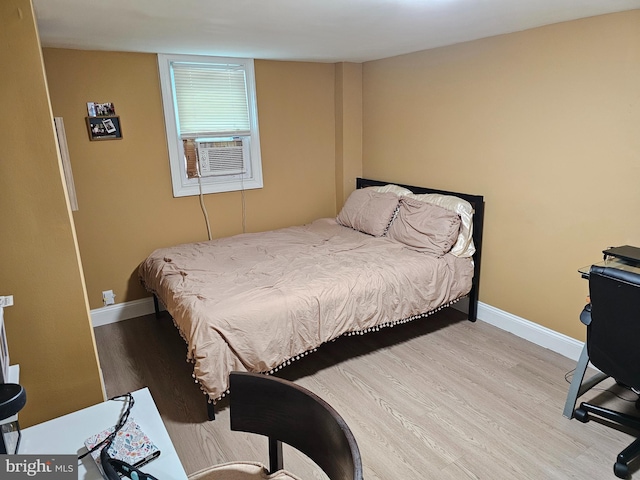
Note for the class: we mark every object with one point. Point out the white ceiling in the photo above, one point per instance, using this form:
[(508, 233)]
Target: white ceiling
[(312, 30)]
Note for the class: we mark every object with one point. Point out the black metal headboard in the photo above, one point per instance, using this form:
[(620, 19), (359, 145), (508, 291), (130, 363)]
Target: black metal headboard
[(477, 201)]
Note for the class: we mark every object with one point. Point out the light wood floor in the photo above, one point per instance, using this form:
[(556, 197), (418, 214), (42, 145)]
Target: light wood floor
[(440, 398)]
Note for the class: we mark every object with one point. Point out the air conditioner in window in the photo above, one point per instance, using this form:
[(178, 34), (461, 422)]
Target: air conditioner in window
[(222, 157)]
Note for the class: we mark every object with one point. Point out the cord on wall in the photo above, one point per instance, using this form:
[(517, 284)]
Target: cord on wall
[(203, 207), (244, 207)]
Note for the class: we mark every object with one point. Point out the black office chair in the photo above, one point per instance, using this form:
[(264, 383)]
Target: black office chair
[(613, 344), (286, 412)]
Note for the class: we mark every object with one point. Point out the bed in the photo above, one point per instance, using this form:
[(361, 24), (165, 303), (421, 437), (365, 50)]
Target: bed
[(258, 301)]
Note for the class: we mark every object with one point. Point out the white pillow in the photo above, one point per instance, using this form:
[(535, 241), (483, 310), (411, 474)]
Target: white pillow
[(464, 246), (400, 191)]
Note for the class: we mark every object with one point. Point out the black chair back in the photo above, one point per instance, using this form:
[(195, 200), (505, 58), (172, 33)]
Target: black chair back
[(286, 412), (613, 336)]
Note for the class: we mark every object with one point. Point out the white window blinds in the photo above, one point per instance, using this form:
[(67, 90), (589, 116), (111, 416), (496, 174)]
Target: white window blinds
[(211, 100)]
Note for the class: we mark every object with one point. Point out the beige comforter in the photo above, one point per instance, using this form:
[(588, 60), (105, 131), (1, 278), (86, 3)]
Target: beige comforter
[(253, 301)]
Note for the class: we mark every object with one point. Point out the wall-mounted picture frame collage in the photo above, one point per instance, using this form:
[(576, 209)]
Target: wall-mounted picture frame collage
[(102, 122)]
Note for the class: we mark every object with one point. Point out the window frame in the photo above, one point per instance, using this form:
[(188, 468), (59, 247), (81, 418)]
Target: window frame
[(181, 184)]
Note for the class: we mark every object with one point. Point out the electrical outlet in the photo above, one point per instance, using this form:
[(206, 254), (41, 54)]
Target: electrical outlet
[(108, 297)]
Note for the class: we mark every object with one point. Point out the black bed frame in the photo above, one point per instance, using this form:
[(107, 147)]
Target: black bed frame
[(477, 201)]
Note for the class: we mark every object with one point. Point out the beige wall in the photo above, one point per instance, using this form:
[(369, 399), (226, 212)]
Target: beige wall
[(545, 124), (348, 100), (48, 329), (126, 207)]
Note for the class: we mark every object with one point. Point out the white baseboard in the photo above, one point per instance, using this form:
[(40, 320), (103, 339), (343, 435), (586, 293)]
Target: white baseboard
[(543, 336), (121, 311)]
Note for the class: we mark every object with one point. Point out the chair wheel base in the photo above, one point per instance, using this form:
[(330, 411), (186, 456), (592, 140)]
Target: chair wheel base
[(621, 470), (581, 415)]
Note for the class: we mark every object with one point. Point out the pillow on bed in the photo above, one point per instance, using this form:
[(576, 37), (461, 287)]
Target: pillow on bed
[(425, 227), (368, 211), (400, 191), (464, 246)]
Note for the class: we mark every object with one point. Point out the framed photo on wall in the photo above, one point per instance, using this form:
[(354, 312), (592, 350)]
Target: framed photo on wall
[(95, 109), (104, 128)]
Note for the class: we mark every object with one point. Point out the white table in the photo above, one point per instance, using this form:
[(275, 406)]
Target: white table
[(66, 435)]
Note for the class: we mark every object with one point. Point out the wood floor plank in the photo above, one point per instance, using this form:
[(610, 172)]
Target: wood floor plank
[(439, 398)]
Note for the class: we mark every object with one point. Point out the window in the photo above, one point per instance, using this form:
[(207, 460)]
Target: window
[(211, 118)]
